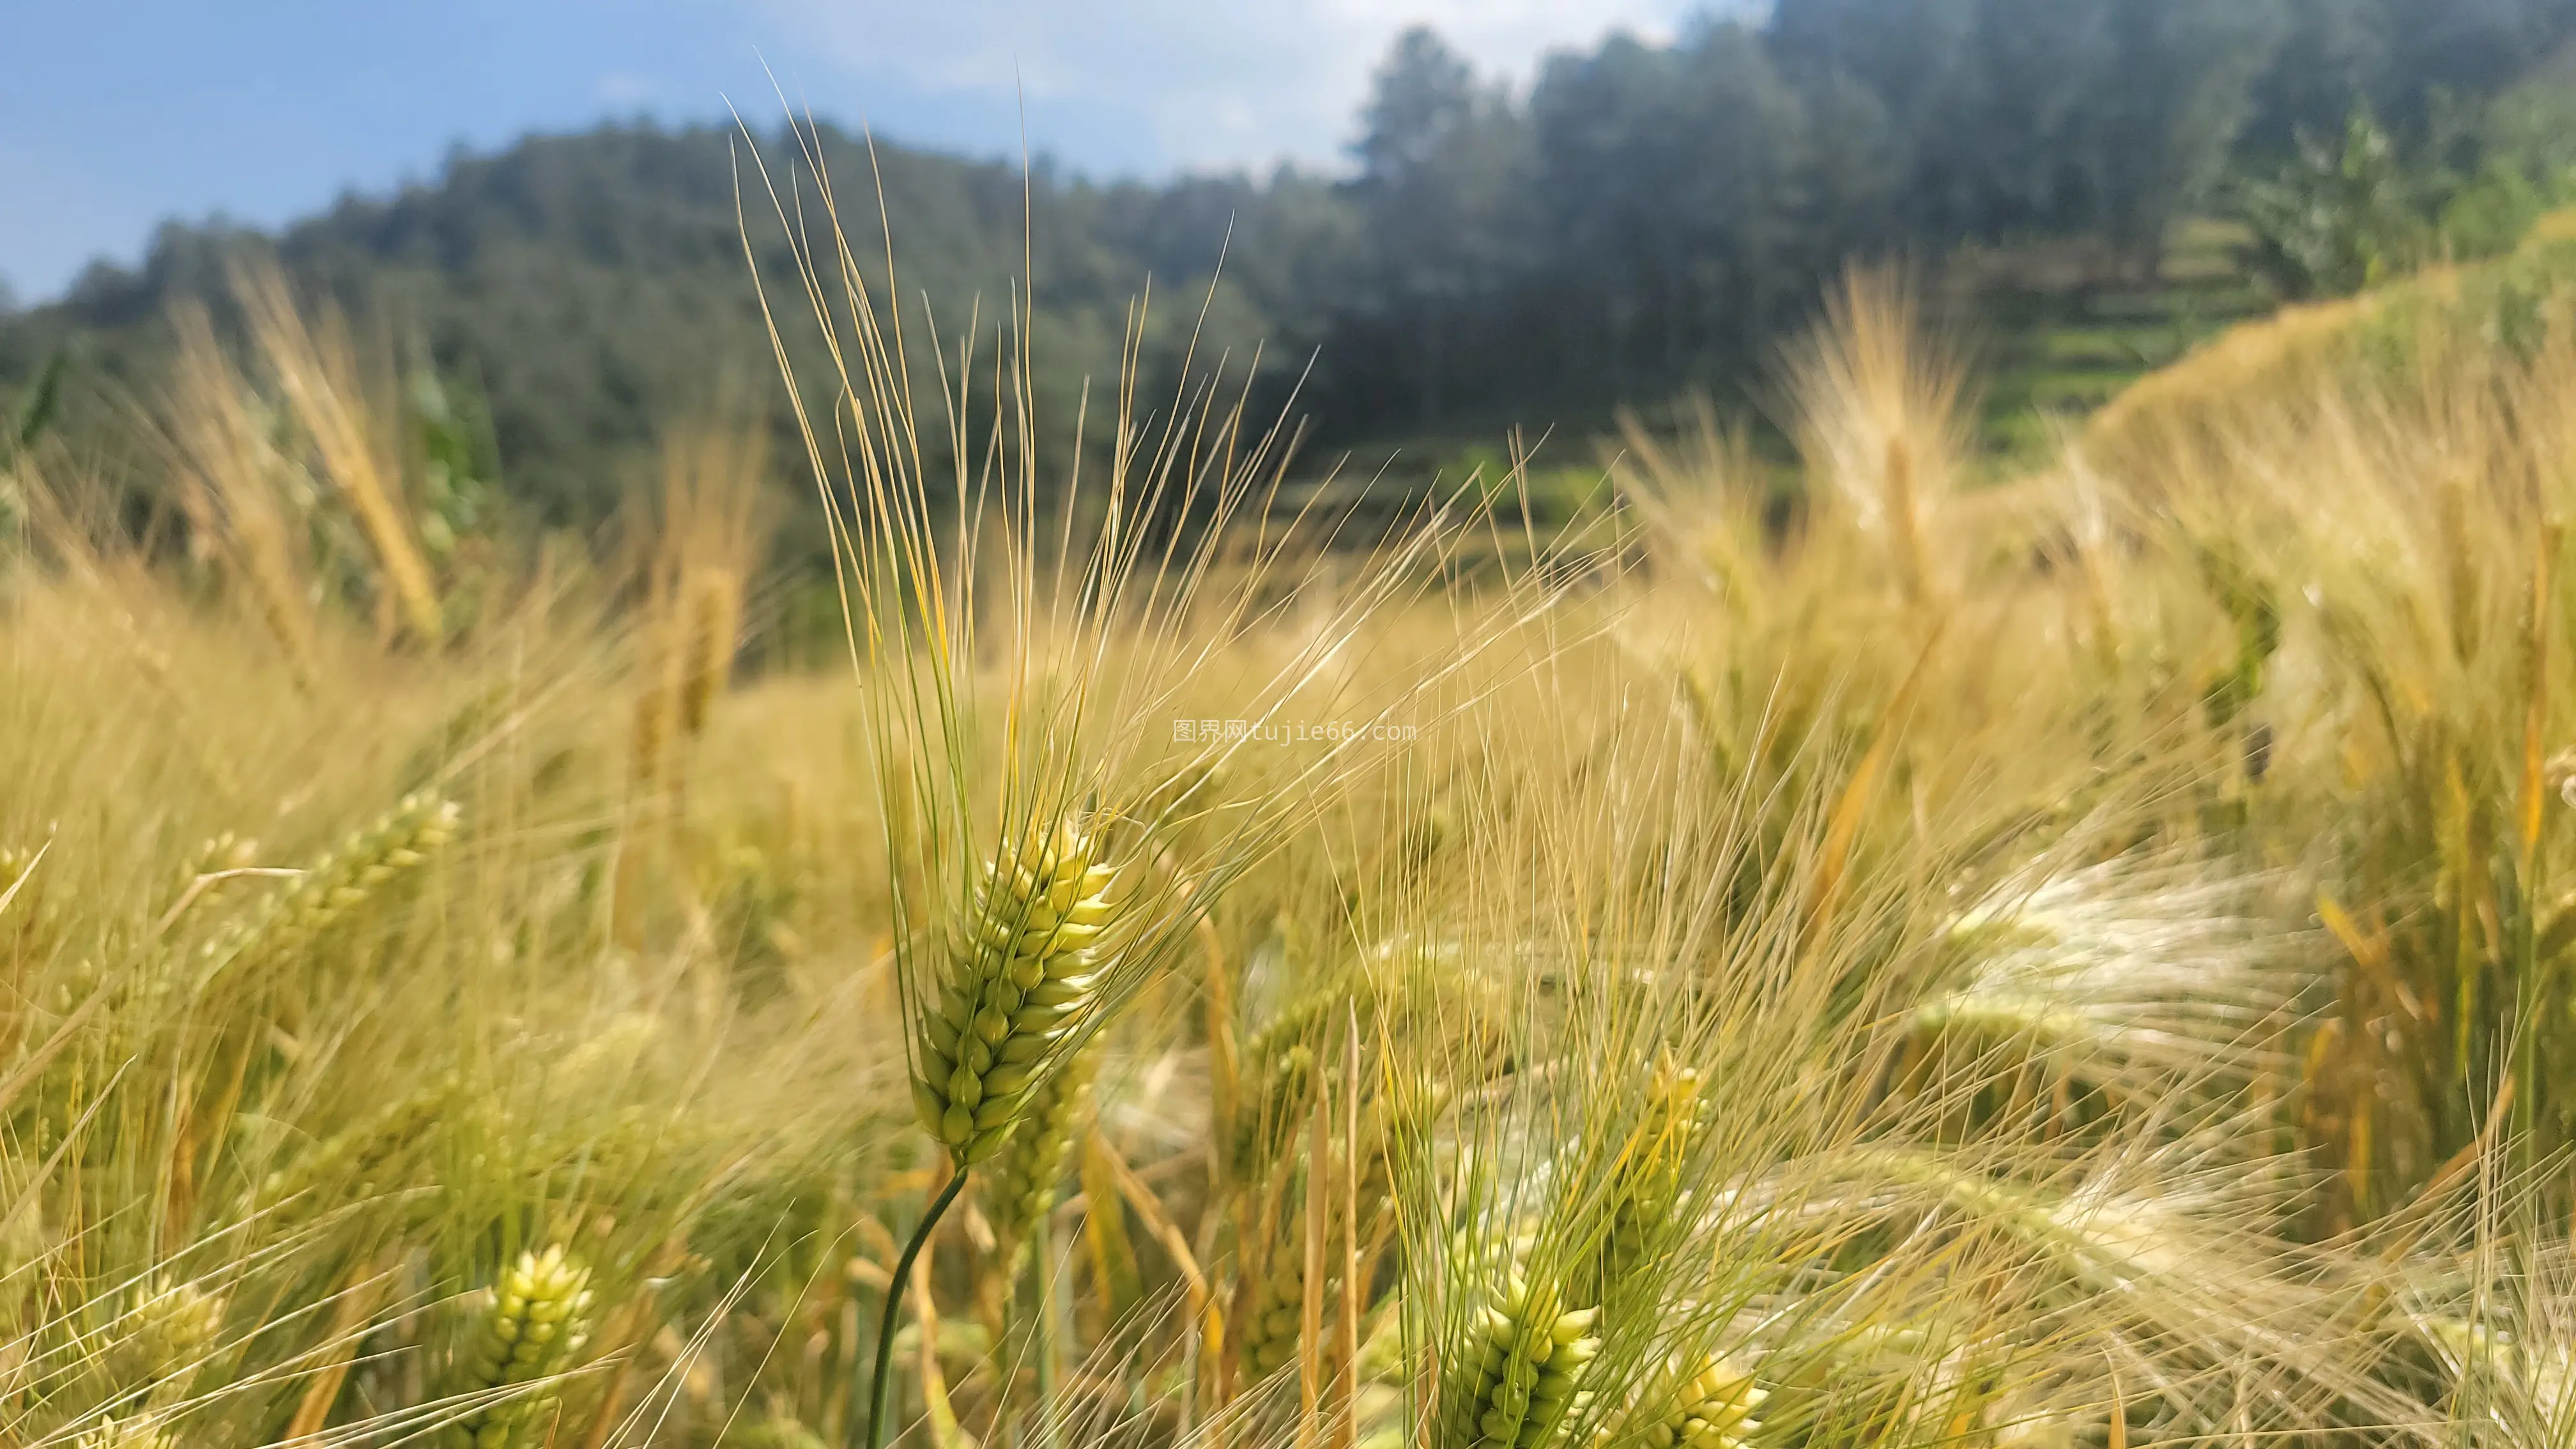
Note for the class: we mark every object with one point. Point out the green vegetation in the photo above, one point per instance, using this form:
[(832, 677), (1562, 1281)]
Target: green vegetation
[(2059, 336)]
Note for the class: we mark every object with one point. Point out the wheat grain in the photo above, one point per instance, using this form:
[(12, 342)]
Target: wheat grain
[(1521, 1371), (1706, 1404), (1020, 1182)]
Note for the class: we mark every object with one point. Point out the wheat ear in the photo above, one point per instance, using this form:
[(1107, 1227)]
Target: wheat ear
[(538, 1316), (294, 915), (1708, 1404), (1517, 1381), (1020, 1183), (1647, 1178), (1019, 978), (166, 1336)]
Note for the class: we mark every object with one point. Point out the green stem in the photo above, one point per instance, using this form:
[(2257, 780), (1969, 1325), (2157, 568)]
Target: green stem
[(1050, 1333), (884, 1389)]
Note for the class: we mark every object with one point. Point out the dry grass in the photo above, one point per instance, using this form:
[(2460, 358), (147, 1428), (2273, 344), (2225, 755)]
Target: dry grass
[(2060, 963)]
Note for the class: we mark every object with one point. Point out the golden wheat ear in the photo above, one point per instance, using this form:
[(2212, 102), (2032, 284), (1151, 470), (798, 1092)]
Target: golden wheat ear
[(320, 896), (1880, 403)]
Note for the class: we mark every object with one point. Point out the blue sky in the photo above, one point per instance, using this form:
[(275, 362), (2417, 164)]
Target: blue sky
[(117, 115)]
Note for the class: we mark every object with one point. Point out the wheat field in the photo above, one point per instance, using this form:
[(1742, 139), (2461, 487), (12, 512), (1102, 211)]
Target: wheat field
[(2061, 960)]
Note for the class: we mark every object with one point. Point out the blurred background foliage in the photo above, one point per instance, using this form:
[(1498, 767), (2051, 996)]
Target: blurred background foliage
[(2099, 183)]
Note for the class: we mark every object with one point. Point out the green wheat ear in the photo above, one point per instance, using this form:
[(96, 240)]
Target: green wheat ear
[(290, 918), (1019, 978), (537, 1319), (1275, 1314), (1515, 1384), (1706, 1406), (169, 1331), (1019, 1185), (1647, 1178)]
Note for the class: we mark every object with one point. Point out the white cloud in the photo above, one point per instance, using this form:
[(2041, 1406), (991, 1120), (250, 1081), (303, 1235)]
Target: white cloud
[(1211, 83)]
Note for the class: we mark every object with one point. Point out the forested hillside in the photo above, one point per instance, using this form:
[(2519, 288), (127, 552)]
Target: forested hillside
[(590, 287), (1635, 221)]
